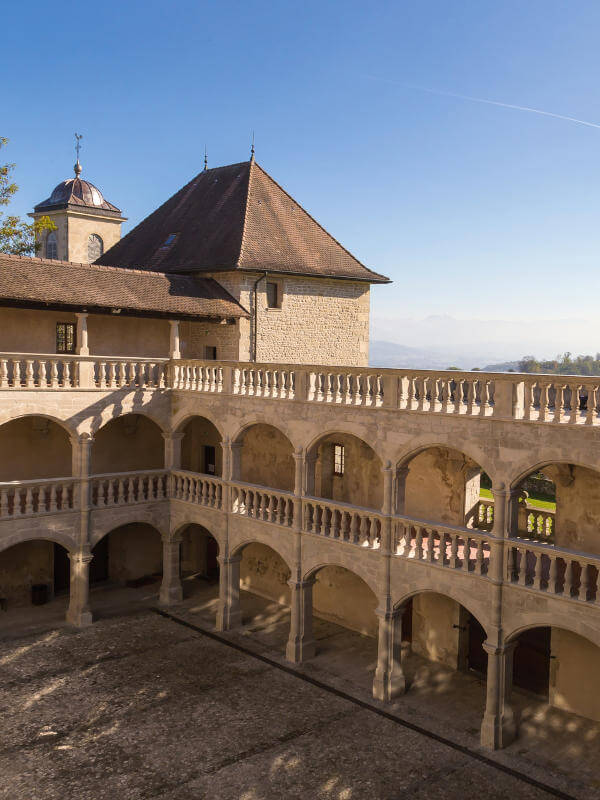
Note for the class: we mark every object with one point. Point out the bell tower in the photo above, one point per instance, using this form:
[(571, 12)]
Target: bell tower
[(86, 224)]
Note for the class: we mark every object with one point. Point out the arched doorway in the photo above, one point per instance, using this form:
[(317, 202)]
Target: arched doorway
[(33, 572)]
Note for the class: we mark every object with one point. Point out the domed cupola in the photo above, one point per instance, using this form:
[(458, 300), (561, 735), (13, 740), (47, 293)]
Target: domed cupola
[(87, 225), (76, 192)]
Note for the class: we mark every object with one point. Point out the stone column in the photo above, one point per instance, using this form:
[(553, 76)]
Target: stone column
[(310, 462), (171, 590), (389, 681), (82, 335), (79, 613), (498, 728), (174, 351), (235, 461), (301, 644), (400, 493), (173, 449), (229, 614), (81, 456)]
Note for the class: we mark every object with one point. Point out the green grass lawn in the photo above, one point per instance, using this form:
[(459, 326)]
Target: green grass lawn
[(536, 502)]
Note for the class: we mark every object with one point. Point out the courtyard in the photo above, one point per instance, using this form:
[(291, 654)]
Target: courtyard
[(143, 705)]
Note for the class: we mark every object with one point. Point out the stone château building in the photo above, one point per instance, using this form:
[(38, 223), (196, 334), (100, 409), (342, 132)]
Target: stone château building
[(195, 397)]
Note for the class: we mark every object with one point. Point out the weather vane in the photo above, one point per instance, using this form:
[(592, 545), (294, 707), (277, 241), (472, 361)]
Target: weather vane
[(252, 148), (78, 137)]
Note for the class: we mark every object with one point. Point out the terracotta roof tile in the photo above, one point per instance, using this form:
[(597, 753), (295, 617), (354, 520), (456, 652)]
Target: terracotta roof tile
[(36, 281), (236, 217)]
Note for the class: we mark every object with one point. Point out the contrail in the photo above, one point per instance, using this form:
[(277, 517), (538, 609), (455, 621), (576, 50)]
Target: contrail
[(493, 103)]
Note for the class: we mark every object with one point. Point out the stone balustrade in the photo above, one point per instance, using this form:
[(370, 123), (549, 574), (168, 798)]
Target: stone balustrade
[(192, 487), (30, 498), (261, 503), (128, 488), (442, 545), (563, 400), (556, 571), (342, 521)]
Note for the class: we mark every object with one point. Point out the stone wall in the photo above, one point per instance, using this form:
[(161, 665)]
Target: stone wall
[(436, 626), (442, 486), (574, 674), (129, 443), (73, 231), (321, 321), (34, 447), (362, 481), (134, 551), (342, 597), (24, 565), (198, 433), (577, 507), (197, 336), (267, 458)]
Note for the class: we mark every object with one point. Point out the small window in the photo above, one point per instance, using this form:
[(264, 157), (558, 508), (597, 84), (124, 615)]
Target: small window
[(95, 247), (210, 461), (65, 337), (210, 352), (338, 459), (273, 295), (51, 246)]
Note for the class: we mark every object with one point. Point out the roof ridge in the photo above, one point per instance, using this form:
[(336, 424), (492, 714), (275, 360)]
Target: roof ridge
[(102, 267), (318, 224), (245, 223)]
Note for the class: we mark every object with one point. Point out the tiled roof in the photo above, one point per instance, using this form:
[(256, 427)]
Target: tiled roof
[(235, 217), (77, 192), (36, 282)]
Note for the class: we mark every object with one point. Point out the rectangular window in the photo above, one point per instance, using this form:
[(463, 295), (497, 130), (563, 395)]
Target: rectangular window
[(338, 459), (210, 353), (65, 337), (210, 463), (273, 295)]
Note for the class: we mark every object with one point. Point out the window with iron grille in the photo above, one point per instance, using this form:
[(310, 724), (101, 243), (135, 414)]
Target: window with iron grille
[(339, 458), (65, 337)]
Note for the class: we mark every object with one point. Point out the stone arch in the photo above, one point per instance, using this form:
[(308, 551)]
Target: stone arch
[(264, 571), (131, 552), (360, 480), (440, 482), (40, 445), (334, 561), (101, 531), (424, 442), (64, 423), (107, 416), (145, 450), (455, 595), (559, 459), (180, 420), (261, 419), (549, 620), (198, 554), (64, 539), (265, 457), (240, 546)]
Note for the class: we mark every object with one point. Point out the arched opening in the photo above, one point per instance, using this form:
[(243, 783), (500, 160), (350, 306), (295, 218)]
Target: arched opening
[(346, 469), (558, 503), (199, 554), (345, 626), (201, 447), (266, 458), (130, 443), (129, 557), (95, 247), (38, 448), (443, 485), (556, 689), (34, 573)]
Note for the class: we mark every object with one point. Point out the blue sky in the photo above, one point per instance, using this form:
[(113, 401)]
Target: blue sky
[(476, 211)]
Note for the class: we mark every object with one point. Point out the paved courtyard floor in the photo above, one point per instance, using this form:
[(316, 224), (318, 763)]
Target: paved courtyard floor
[(141, 706)]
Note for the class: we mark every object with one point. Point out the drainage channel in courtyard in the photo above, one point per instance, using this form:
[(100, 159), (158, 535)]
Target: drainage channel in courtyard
[(464, 750)]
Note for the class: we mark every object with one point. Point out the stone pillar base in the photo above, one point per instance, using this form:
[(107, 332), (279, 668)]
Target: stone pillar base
[(498, 732), (170, 595), (227, 619), (79, 619), (387, 686), (297, 651)]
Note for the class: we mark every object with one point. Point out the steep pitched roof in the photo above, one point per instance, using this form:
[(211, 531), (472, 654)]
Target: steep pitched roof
[(38, 282), (235, 218)]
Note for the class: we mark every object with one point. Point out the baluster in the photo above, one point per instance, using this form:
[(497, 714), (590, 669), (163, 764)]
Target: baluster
[(53, 506), (4, 503), (591, 412), (453, 550), (120, 491), (537, 575), (364, 535), (484, 396), (353, 532), (419, 544), (471, 396), (522, 566), (528, 400), (101, 501), (511, 564), (4, 383), (422, 388), (568, 580), (479, 558), (430, 545), (441, 559), (581, 592), (131, 498), (315, 527), (552, 575), (466, 562), (559, 402), (204, 496), (574, 405), (544, 387), (29, 501)]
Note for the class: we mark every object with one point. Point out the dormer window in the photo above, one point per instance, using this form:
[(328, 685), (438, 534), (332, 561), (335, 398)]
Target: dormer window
[(170, 240), (51, 246)]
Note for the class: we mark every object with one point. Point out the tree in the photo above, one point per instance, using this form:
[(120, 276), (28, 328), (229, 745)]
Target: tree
[(16, 236)]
